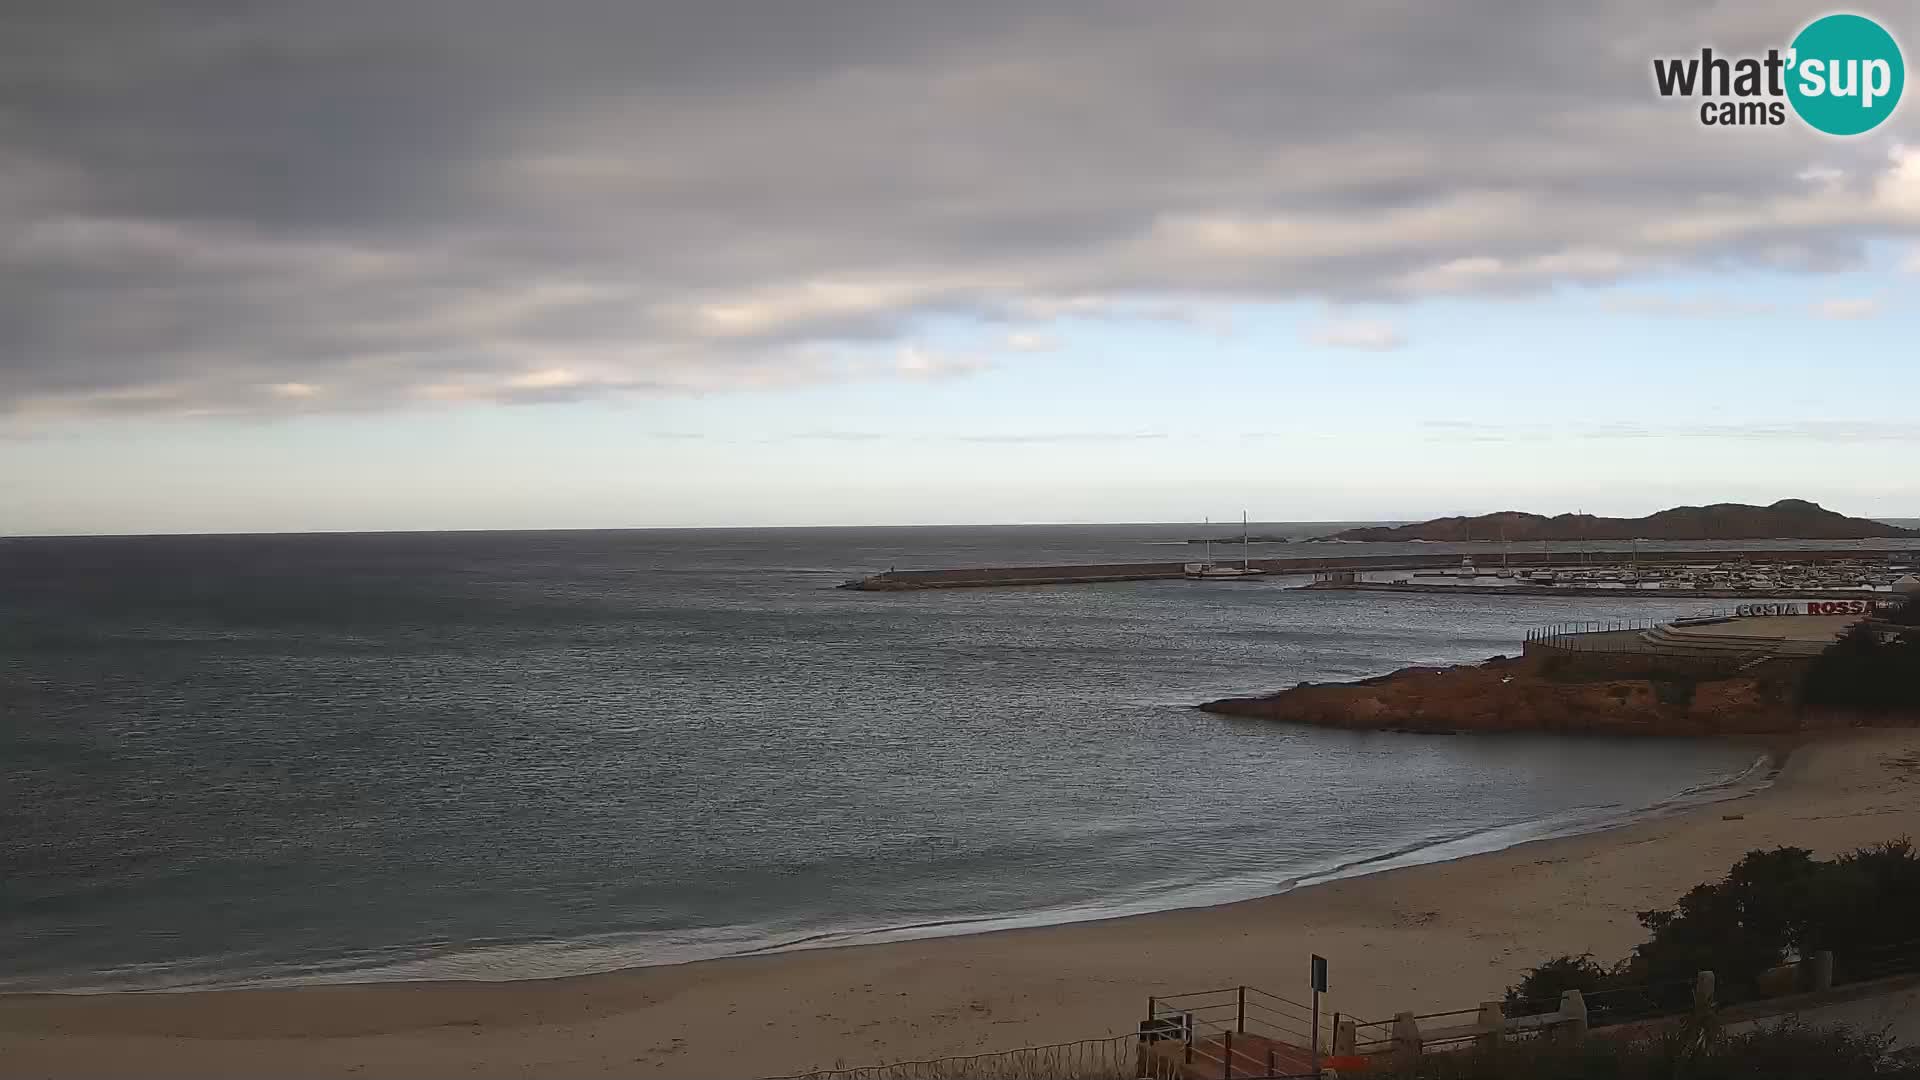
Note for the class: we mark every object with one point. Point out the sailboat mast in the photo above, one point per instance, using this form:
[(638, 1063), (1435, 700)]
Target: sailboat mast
[(1207, 527), (1246, 544)]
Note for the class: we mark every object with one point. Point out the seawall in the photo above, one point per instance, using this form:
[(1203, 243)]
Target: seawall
[(1088, 573)]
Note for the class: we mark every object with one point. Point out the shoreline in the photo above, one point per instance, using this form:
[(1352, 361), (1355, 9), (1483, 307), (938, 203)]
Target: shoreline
[(1433, 936), (1771, 755)]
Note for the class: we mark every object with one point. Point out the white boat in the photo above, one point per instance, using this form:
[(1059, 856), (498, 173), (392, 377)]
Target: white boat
[(1210, 570)]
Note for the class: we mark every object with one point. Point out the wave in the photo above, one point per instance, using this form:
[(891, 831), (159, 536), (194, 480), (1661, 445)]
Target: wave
[(508, 961)]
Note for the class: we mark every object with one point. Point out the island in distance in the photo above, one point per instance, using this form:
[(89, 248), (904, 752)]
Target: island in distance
[(1788, 519)]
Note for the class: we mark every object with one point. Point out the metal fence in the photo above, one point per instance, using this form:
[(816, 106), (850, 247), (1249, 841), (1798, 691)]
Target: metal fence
[(1237, 1032), (1115, 1058), (1576, 635), (1242, 1032)]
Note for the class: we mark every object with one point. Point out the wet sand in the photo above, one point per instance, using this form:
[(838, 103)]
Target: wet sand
[(1430, 937)]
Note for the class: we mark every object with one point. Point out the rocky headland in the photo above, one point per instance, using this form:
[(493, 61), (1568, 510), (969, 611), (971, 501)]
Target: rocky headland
[(1533, 694), (1795, 519)]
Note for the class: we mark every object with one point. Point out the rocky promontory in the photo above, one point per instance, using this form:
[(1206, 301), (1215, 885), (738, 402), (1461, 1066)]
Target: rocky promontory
[(1524, 694)]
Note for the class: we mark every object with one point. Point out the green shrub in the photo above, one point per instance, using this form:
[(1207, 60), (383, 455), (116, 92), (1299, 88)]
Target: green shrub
[(1785, 1051), (1862, 671), (1540, 988), (1771, 906), (1674, 691)]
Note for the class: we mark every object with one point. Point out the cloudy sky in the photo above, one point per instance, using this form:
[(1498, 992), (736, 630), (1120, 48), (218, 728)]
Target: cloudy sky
[(476, 263)]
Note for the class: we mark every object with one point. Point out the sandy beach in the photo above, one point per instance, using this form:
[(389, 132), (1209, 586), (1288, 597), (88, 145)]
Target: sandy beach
[(1437, 936)]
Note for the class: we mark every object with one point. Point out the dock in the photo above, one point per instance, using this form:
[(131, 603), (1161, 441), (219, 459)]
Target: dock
[(1094, 573)]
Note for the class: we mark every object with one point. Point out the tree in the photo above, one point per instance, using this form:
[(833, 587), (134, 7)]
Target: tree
[(1738, 927)]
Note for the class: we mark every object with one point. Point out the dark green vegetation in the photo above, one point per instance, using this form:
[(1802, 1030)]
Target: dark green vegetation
[(1907, 614), (1772, 909), (1868, 670), (1693, 1053)]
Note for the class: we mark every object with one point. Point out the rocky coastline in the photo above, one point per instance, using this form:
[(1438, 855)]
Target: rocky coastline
[(1528, 694)]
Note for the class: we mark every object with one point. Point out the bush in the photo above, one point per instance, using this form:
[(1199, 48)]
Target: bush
[(1862, 671), (1783, 1051), (1539, 989), (1675, 691), (1736, 928), (1772, 906)]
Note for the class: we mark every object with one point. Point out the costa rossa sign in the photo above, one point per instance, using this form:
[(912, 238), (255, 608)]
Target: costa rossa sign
[(1840, 607), (1813, 607)]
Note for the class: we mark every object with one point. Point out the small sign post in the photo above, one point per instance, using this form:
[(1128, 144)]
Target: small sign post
[(1319, 987)]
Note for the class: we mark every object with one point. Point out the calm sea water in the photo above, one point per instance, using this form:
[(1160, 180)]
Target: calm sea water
[(503, 755)]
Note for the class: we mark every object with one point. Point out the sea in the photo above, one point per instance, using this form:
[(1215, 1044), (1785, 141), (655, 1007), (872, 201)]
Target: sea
[(289, 759)]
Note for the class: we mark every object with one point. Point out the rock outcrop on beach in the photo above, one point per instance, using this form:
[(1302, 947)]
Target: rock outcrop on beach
[(1518, 695), (1787, 519)]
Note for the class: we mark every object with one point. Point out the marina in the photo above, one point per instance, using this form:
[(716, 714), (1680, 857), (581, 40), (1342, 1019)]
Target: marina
[(1771, 593), (1210, 570)]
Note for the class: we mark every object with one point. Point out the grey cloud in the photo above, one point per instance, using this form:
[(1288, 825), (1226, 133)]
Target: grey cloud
[(1688, 307), (1371, 335), (493, 201)]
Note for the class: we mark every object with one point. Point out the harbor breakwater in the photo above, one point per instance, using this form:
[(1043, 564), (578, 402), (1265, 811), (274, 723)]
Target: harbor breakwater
[(1091, 573)]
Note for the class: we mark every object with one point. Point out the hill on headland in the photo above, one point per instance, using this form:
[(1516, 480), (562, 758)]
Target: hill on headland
[(1795, 519)]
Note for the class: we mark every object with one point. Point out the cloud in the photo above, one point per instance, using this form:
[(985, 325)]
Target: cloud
[(1031, 342), (1369, 334), (1912, 264), (916, 363), (1860, 307), (440, 201), (1687, 307)]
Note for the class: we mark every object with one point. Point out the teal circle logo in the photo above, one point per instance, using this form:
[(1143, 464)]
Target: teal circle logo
[(1846, 74)]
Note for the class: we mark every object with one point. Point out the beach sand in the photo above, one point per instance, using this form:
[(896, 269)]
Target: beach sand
[(1439, 936)]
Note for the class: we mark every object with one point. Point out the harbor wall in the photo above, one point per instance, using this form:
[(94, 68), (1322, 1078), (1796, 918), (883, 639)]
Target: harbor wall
[(979, 577)]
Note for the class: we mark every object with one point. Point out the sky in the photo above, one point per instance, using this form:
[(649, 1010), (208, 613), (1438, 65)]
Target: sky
[(438, 264)]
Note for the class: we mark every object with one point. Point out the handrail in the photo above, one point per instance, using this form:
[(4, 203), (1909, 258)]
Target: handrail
[(1229, 1006), (1198, 993), (1268, 1010), (1110, 1050), (1475, 1011), (1232, 1054), (1279, 1005), (1275, 997)]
